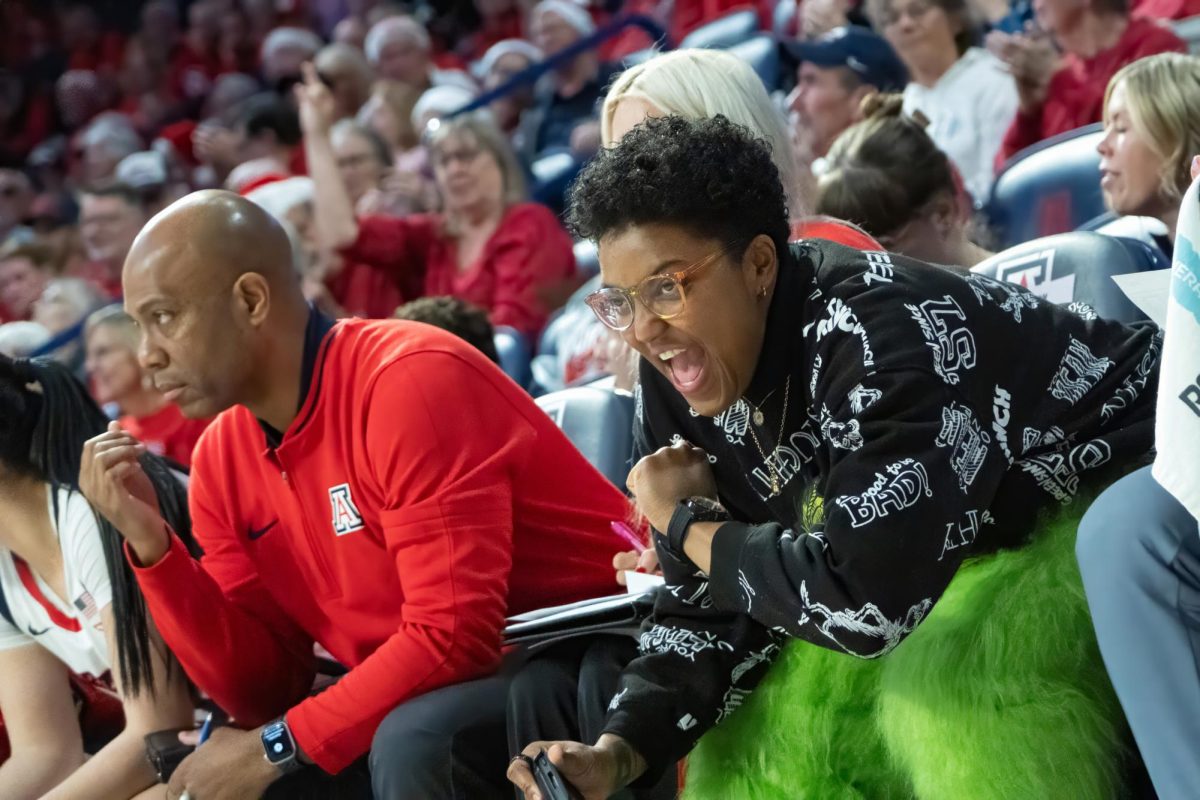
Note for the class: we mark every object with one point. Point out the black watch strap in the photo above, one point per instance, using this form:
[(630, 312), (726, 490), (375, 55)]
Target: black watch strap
[(677, 528)]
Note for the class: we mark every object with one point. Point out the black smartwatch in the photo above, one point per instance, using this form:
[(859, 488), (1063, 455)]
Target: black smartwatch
[(693, 509), (279, 746)]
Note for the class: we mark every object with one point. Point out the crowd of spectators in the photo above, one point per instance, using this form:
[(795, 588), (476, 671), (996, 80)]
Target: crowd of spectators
[(106, 118)]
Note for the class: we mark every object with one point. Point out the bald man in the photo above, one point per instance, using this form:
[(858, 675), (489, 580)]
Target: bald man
[(378, 487)]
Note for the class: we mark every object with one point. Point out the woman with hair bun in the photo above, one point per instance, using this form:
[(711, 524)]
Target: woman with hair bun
[(886, 175)]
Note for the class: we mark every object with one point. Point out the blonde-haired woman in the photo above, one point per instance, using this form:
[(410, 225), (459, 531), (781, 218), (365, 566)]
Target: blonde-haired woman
[(1151, 132), (697, 84), (488, 247)]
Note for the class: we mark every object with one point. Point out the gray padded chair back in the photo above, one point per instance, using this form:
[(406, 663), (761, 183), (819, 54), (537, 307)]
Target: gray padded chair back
[(1050, 187), (599, 422), (1077, 267)]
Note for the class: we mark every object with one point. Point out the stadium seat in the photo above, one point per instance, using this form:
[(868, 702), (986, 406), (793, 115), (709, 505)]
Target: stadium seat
[(1052, 187), (587, 260), (1077, 267), (1189, 30), (514, 352), (733, 28), (782, 18), (598, 421), (762, 54)]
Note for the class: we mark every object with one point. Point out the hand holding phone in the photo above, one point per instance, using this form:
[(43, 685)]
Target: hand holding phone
[(550, 783)]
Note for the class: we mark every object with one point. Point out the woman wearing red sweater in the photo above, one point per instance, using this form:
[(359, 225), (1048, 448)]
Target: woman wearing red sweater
[(486, 247), (1058, 94), (117, 378)]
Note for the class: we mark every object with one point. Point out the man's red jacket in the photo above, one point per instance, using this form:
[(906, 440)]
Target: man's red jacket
[(418, 498)]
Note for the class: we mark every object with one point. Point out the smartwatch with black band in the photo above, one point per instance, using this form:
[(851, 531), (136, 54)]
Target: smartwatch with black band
[(692, 509), (279, 746)]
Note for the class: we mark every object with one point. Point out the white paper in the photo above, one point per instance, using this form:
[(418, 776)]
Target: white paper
[(1149, 291), (638, 582), (1060, 290)]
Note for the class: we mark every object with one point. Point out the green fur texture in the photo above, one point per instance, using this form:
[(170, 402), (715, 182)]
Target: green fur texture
[(999, 694)]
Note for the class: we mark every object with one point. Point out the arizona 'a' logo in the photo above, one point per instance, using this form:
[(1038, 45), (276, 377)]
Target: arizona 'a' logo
[(346, 518)]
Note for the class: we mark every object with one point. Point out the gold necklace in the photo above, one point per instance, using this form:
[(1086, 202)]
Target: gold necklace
[(758, 418)]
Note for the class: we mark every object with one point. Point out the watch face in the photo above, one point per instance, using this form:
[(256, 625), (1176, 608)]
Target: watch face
[(705, 509), (704, 504), (278, 743)]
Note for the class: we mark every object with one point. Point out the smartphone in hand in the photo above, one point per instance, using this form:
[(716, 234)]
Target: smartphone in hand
[(550, 783)]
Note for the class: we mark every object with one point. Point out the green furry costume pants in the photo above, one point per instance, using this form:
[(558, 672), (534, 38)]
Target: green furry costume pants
[(999, 694)]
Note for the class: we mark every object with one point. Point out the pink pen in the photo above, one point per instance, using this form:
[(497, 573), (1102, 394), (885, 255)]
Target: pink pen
[(626, 533)]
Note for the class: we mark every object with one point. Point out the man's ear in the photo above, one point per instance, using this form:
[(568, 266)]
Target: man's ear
[(252, 296)]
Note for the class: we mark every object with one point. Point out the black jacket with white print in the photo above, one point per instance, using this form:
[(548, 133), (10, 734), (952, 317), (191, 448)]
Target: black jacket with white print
[(935, 413)]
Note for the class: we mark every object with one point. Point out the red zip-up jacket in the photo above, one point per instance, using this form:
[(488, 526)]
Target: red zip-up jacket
[(418, 498), (1075, 96)]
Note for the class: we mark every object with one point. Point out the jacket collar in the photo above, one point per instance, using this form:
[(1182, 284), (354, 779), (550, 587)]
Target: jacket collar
[(782, 340), (315, 331)]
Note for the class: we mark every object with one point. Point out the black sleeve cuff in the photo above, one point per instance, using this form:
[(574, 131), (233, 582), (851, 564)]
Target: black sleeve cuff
[(644, 737), (724, 584)]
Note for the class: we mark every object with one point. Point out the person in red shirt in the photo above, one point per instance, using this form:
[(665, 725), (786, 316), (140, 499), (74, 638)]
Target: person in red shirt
[(110, 339), (378, 487), (109, 219), (509, 257), (24, 275), (1097, 38)]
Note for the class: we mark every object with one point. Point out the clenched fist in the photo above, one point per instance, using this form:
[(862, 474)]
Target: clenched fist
[(662, 479), (112, 479)]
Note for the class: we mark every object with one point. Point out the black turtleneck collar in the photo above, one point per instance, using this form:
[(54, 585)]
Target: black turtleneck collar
[(782, 338), (314, 333)]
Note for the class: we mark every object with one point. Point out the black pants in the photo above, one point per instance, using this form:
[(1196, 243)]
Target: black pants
[(447, 744), (563, 693), (312, 783)]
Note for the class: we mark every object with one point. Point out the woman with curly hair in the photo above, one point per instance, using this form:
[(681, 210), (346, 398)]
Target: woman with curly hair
[(772, 372)]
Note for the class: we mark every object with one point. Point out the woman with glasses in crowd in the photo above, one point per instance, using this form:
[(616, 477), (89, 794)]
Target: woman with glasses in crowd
[(488, 247), (963, 90), (774, 372), (692, 83), (111, 341), (69, 602)]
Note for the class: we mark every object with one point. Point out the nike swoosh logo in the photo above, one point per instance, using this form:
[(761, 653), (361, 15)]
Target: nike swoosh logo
[(32, 632), (256, 533)]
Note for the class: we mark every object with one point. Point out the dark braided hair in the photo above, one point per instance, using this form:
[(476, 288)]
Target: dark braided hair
[(46, 416)]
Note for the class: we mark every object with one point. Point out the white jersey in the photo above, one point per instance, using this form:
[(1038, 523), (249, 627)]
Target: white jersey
[(969, 111), (71, 631)]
